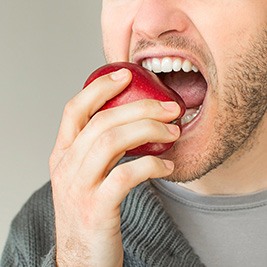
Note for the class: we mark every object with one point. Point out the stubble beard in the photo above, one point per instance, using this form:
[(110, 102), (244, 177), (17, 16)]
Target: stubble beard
[(242, 108)]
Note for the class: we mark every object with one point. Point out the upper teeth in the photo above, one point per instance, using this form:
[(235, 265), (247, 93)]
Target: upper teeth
[(168, 64)]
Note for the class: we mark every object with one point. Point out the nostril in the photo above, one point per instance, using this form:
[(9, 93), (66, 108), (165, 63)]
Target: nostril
[(168, 33)]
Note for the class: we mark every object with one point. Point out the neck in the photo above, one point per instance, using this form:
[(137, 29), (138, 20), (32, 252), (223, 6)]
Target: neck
[(244, 172)]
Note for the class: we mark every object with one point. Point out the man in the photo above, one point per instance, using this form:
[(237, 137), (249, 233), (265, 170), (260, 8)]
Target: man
[(110, 214)]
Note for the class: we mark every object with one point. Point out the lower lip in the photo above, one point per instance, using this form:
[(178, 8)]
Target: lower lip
[(188, 127)]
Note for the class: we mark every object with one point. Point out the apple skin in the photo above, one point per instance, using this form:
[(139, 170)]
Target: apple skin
[(144, 85)]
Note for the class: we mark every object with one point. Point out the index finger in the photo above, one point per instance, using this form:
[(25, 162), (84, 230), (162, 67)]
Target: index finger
[(80, 108)]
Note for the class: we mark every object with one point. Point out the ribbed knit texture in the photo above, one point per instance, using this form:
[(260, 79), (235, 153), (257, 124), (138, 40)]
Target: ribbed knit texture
[(150, 238), (31, 238)]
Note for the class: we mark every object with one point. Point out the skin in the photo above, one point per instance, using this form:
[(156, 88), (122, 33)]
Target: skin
[(227, 151), (212, 40)]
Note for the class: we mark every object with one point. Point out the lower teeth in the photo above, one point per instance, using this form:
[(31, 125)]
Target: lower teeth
[(189, 115)]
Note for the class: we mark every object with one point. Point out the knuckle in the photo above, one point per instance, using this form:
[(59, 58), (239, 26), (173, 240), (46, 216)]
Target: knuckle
[(107, 139), (60, 175), (150, 161), (97, 119), (146, 106), (70, 107), (122, 174), (151, 125), (154, 166)]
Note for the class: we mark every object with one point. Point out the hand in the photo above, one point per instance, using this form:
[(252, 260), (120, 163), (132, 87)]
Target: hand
[(88, 187)]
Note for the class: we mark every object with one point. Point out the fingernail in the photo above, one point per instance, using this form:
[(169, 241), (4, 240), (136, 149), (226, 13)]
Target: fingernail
[(170, 106), (173, 129), (119, 74), (169, 164)]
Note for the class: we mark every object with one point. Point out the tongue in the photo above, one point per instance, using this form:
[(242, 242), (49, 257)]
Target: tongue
[(190, 86)]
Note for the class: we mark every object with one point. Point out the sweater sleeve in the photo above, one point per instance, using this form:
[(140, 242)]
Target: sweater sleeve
[(11, 255), (31, 239)]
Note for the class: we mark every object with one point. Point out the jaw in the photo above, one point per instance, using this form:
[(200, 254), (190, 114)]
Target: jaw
[(244, 172)]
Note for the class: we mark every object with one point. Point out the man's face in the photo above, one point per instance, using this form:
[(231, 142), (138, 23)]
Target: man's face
[(226, 40)]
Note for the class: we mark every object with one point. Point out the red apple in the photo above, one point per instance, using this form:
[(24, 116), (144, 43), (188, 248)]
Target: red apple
[(144, 85)]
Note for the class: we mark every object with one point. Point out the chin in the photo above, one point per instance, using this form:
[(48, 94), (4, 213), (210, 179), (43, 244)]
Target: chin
[(194, 157)]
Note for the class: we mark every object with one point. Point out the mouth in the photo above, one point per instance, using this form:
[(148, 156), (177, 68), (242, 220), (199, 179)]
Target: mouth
[(185, 78)]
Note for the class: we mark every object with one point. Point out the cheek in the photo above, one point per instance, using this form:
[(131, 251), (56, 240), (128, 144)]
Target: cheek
[(116, 32), (229, 29)]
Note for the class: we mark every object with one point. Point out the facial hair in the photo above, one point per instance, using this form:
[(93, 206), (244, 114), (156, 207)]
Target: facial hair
[(241, 110)]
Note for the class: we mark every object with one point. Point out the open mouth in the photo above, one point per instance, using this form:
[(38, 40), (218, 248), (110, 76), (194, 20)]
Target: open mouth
[(184, 78)]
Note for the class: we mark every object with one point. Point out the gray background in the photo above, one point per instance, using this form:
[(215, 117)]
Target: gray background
[(47, 50)]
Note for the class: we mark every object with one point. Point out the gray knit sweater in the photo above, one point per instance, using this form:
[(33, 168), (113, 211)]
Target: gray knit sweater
[(150, 238)]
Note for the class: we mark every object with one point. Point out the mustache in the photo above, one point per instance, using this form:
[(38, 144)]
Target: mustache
[(177, 43)]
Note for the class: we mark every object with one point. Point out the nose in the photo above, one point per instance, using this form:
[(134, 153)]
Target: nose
[(155, 18)]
